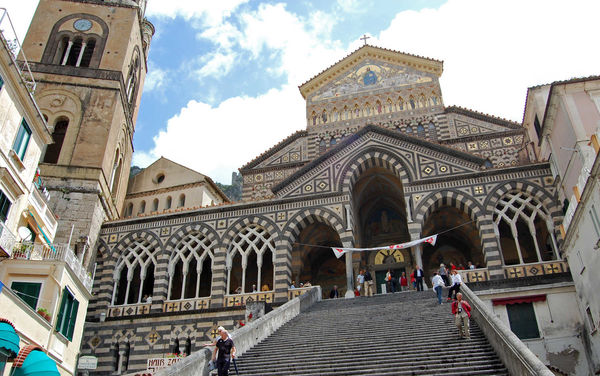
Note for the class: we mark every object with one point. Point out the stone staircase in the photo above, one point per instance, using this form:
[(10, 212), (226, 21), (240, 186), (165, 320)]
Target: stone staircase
[(405, 333)]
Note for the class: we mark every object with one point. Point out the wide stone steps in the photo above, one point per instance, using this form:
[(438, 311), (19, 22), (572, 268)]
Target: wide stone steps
[(396, 334)]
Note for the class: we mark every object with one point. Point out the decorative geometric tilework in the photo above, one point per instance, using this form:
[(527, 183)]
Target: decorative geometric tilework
[(113, 238), (165, 231), (152, 337)]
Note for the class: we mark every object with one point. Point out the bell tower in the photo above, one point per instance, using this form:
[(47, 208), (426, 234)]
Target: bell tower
[(89, 58)]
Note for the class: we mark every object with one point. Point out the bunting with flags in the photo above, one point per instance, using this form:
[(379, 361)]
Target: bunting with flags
[(339, 252)]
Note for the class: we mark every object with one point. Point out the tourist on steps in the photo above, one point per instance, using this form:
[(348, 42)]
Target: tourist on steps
[(403, 282), (334, 294), (226, 351), (368, 284), (389, 281), (456, 282), (419, 277), (437, 282), (360, 280), (444, 274), (462, 312)]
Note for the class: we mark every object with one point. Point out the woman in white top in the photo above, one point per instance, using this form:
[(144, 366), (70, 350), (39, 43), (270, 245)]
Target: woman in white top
[(456, 282)]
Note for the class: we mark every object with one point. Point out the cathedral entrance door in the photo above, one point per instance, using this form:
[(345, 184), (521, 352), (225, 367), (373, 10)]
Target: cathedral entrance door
[(380, 279)]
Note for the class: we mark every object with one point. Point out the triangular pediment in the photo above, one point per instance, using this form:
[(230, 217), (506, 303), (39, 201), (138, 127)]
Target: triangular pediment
[(292, 150), (371, 68), (464, 123), (416, 159)]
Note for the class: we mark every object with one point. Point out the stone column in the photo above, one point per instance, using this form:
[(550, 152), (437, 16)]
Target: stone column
[(418, 253), (219, 278), (349, 276)]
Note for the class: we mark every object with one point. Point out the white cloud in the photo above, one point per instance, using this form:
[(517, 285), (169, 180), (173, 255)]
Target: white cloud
[(494, 50), (211, 12), (155, 79), (216, 64), (218, 140), (352, 6), (302, 44)]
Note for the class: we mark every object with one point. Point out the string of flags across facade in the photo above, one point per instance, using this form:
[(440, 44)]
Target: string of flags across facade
[(339, 252)]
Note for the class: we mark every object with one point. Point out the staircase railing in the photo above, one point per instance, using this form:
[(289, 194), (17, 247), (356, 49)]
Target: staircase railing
[(515, 355), (247, 336)]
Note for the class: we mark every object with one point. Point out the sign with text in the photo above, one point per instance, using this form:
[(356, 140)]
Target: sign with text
[(154, 364), (88, 362)]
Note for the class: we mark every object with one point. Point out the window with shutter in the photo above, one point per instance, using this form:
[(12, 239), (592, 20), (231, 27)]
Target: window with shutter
[(28, 291), (67, 315)]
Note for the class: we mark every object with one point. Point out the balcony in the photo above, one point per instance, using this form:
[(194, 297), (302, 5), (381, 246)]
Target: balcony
[(9, 36), (54, 252), (40, 204), (7, 241)]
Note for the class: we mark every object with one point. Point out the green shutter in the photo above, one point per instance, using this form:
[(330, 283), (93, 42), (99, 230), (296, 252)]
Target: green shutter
[(61, 312), (27, 291), (4, 206), (22, 139), (72, 319)]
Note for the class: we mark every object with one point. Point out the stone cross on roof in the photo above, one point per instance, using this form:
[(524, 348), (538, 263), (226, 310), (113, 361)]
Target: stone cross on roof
[(364, 38)]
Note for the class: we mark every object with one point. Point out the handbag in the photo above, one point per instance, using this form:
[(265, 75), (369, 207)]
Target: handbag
[(212, 365)]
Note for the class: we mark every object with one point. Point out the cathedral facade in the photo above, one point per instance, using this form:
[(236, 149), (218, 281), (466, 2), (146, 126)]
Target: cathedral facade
[(382, 161)]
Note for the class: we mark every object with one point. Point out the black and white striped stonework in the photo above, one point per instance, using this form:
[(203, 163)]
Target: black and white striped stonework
[(396, 334)]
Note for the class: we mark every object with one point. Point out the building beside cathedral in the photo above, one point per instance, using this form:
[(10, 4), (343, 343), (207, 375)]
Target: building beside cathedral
[(44, 288), (563, 120)]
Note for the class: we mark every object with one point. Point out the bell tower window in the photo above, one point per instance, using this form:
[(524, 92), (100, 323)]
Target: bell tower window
[(58, 137), (78, 43)]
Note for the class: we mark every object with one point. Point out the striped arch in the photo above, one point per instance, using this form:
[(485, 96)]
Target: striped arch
[(102, 279), (252, 235), (240, 224), (190, 228), (373, 157), (192, 243), (547, 200), (456, 199), (466, 204), (141, 249), (132, 237), (307, 217)]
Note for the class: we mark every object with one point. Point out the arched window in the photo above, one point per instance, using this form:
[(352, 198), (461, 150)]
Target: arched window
[(188, 346), (115, 176), (58, 137), (81, 47), (134, 272), (142, 207), (129, 211), (126, 356), (168, 202), (132, 79), (525, 229), (250, 260), (190, 267), (181, 201), (155, 205)]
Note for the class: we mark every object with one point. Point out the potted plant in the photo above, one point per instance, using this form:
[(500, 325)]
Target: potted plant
[(44, 313)]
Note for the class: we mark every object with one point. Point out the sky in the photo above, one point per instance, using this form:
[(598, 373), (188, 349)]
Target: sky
[(222, 85)]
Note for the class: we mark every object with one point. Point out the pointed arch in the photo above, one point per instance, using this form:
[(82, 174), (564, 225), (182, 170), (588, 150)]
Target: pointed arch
[(191, 252), (133, 274), (373, 157), (521, 207)]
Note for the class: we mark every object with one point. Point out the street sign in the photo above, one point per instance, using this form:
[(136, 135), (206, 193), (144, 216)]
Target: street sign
[(88, 362)]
